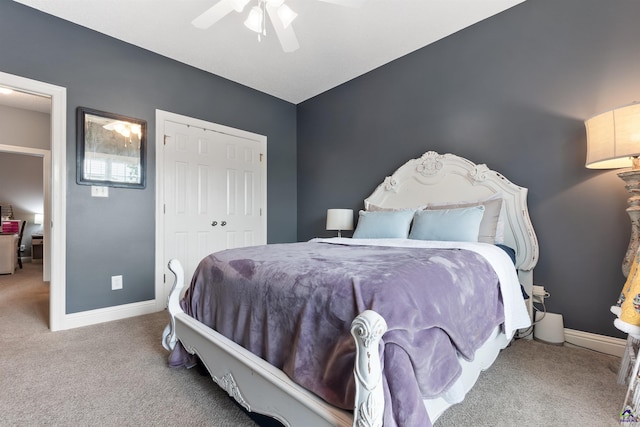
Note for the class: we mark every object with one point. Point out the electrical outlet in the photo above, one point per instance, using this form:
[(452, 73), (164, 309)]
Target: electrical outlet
[(116, 282), (539, 294), (21, 248), (538, 291)]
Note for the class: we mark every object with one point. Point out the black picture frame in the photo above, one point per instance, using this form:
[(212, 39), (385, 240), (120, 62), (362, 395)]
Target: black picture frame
[(111, 149)]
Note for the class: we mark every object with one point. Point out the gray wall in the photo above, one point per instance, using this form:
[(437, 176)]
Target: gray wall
[(25, 128), (114, 236), (513, 92), (21, 183)]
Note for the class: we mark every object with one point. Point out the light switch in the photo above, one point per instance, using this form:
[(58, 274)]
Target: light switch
[(99, 191)]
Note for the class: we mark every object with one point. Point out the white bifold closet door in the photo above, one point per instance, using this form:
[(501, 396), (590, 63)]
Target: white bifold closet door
[(213, 193)]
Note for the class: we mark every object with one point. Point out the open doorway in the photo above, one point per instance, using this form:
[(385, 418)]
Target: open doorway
[(54, 177), (25, 292), (25, 165), (22, 195)]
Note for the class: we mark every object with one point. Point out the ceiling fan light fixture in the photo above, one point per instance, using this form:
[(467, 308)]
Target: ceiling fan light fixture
[(238, 5), (255, 19), (286, 15), (280, 15)]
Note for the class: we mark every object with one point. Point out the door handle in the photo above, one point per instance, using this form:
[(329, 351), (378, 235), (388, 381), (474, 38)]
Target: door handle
[(214, 223), (223, 223)]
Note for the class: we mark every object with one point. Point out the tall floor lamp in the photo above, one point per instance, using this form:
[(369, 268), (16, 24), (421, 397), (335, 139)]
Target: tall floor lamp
[(613, 141)]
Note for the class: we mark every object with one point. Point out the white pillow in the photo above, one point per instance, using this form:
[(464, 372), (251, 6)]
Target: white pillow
[(383, 224), (492, 225), (456, 225), (375, 208)]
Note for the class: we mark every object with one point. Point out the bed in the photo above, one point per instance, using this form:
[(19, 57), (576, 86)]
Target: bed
[(382, 352)]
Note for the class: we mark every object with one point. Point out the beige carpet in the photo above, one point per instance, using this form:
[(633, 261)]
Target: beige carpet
[(103, 375), (536, 384), (116, 374)]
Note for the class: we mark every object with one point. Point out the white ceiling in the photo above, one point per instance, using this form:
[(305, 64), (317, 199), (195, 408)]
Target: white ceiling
[(337, 43)]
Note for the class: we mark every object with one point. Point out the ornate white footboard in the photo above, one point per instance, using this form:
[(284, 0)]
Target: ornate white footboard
[(259, 387)]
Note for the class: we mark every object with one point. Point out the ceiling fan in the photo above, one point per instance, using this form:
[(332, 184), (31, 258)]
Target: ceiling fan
[(279, 13)]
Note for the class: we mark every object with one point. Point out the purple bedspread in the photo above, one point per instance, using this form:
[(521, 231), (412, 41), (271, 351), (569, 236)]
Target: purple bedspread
[(292, 305)]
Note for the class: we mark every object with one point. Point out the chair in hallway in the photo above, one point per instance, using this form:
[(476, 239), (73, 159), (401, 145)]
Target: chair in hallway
[(20, 242)]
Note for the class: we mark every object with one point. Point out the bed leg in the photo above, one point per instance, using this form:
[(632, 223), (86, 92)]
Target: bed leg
[(173, 304), (367, 329)]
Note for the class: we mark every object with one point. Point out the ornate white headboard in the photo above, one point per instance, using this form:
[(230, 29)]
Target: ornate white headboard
[(434, 178)]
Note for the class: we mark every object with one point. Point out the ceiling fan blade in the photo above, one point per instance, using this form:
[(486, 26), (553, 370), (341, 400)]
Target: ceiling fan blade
[(348, 3), (214, 14), (287, 36)]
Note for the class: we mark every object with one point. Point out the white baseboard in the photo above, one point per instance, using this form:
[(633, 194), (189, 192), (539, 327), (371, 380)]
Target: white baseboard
[(108, 314), (601, 343)]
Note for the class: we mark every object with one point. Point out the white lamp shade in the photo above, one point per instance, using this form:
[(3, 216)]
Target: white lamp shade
[(254, 20), (613, 138), (339, 219)]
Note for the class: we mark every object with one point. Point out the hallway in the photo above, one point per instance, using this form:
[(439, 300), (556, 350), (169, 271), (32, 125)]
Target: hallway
[(24, 297)]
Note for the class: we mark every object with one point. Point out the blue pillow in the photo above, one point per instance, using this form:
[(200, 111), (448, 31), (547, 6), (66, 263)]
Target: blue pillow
[(383, 224), (456, 225)]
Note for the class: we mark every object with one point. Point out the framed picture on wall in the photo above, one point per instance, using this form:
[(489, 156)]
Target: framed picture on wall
[(111, 149)]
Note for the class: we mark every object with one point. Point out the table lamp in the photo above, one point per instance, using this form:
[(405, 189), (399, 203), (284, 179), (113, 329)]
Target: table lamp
[(339, 219)]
